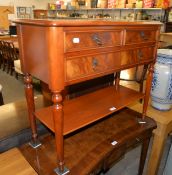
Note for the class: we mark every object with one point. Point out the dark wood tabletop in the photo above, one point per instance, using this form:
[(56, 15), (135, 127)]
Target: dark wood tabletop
[(93, 148)]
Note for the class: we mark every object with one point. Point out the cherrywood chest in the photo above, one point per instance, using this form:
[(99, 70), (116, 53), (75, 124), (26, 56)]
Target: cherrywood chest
[(65, 52)]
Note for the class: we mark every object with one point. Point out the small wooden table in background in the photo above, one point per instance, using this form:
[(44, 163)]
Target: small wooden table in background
[(12, 162), (164, 127), (96, 147), (166, 39)]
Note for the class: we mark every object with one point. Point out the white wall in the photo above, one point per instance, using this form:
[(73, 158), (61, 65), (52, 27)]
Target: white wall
[(39, 4)]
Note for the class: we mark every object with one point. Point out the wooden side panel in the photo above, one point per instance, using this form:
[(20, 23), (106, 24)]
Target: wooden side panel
[(33, 51), (41, 53)]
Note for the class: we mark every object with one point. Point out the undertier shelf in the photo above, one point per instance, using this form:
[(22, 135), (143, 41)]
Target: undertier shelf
[(86, 109)]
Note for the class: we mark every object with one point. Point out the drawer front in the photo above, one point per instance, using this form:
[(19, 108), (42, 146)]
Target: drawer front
[(96, 169), (139, 139), (128, 57), (75, 41), (144, 54), (91, 65), (139, 36), (113, 156)]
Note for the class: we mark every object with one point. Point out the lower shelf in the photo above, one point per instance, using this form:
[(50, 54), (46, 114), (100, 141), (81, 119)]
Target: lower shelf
[(89, 108)]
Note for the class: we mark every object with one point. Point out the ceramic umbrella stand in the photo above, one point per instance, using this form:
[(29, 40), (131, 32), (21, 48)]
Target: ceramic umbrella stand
[(161, 93)]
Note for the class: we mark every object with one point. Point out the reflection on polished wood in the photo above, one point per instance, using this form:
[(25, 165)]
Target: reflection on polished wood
[(90, 150), (12, 162)]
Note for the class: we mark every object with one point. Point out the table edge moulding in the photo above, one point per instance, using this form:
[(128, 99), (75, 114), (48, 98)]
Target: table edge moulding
[(65, 52)]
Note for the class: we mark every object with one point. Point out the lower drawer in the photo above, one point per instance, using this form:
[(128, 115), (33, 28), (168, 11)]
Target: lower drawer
[(144, 54), (113, 156), (137, 55), (139, 139), (78, 68)]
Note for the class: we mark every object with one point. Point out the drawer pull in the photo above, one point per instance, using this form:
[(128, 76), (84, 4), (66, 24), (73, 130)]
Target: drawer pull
[(96, 38), (142, 34), (94, 63), (140, 55), (137, 139)]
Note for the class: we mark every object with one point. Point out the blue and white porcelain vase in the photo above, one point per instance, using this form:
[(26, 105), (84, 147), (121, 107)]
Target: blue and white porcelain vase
[(161, 93)]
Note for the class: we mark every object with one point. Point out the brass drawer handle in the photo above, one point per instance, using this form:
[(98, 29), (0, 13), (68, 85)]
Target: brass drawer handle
[(143, 36), (140, 54), (94, 63), (137, 139), (97, 39)]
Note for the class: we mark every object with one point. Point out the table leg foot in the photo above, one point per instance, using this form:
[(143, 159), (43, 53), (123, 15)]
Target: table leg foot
[(141, 121), (65, 171), (35, 144)]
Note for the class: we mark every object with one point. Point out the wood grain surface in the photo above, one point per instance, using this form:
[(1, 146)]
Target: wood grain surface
[(12, 162)]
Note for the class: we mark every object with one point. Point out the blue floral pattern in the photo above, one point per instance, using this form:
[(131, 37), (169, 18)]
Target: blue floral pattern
[(170, 87), (155, 79), (161, 94), (164, 60)]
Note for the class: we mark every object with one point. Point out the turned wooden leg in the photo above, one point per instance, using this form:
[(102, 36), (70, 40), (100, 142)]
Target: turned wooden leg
[(4, 65), (16, 75), (58, 127), (147, 91), (141, 81), (1, 97), (31, 109), (144, 150), (1, 61), (117, 79), (145, 68)]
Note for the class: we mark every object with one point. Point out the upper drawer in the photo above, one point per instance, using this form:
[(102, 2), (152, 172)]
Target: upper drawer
[(139, 36), (82, 40), (89, 66)]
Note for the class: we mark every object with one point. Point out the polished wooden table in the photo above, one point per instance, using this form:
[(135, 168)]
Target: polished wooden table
[(164, 127), (12, 162), (95, 148), (8, 37), (166, 38)]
